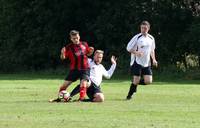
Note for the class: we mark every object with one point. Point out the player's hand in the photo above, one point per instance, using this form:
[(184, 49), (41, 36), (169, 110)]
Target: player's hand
[(139, 54), (113, 60), (155, 63), (91, 50), (62, 55)]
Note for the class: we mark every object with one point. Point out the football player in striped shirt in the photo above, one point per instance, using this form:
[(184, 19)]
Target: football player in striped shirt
[(76, 52)]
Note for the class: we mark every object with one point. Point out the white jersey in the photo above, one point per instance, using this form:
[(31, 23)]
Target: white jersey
[(145, 44), (98, 71)]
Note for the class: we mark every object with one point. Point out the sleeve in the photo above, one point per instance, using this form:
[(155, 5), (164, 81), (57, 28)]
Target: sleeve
[(132, 44), (66, 52), (109, 73)]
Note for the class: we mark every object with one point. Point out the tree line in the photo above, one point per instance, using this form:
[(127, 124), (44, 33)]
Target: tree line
[(33, 32)]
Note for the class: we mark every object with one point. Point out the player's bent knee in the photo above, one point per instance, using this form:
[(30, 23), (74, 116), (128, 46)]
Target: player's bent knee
[(99, 98), (83, 83), (102, 98), (148, 82), (136, 82)]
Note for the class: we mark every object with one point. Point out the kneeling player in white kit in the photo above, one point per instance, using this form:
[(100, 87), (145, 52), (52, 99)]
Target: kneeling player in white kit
[(97, 71)]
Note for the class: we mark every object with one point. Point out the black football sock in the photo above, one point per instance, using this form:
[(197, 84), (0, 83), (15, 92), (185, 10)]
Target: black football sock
[(133, 89), (75, 91), (142, 82)]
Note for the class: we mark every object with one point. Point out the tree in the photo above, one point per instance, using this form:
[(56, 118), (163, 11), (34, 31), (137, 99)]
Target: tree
[(33, 32)]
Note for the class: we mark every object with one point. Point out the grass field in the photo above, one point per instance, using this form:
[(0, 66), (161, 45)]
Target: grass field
[(24, 104)]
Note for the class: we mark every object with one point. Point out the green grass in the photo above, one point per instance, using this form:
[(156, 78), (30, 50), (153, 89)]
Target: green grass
[(24, 104)]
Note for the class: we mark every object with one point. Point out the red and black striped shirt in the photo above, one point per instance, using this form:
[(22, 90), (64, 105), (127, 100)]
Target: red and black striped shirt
[(77, 54)]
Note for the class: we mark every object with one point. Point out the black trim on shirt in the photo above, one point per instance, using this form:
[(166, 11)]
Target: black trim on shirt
[(150, 37), (139, 37)]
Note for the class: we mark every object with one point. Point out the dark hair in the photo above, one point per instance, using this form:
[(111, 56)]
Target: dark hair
[(73, 32), (145, 23)]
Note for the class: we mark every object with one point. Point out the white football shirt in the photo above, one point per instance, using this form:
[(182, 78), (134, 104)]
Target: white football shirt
[(145, 44), (98, 71)]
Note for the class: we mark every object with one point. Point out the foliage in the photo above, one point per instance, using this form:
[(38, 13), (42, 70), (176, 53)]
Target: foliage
[(33, 32)]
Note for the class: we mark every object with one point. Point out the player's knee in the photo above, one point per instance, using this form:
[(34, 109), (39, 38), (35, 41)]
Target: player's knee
[(66, 84), (148, 82), (136, 82), (102, 98), (99, 98), (83, 83)]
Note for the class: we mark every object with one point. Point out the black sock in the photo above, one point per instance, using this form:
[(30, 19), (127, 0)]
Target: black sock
[(142, 82), (133, 89), (75, 91)]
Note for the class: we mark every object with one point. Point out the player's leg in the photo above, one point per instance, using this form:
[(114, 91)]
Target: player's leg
[(75, 91), (147, 72), (135, 72), (142, 78), (147, 79), (94, 93), (84, 77), (142, 81), (65, 85), (72, 76), (83, 89), (133, 87), (98, 94), (98, 97)]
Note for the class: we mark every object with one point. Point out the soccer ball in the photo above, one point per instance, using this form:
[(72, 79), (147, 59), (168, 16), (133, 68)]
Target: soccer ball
[(64, 95)]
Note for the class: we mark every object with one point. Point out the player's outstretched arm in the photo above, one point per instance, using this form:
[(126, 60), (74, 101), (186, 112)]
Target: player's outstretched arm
[(109, 73)]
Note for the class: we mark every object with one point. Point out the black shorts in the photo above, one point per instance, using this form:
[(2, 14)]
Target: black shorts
[(78, 74), (92, 90), (138, 70)]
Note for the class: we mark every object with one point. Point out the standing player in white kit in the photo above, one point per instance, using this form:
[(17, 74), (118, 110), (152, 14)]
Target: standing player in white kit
[(141, 47)]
